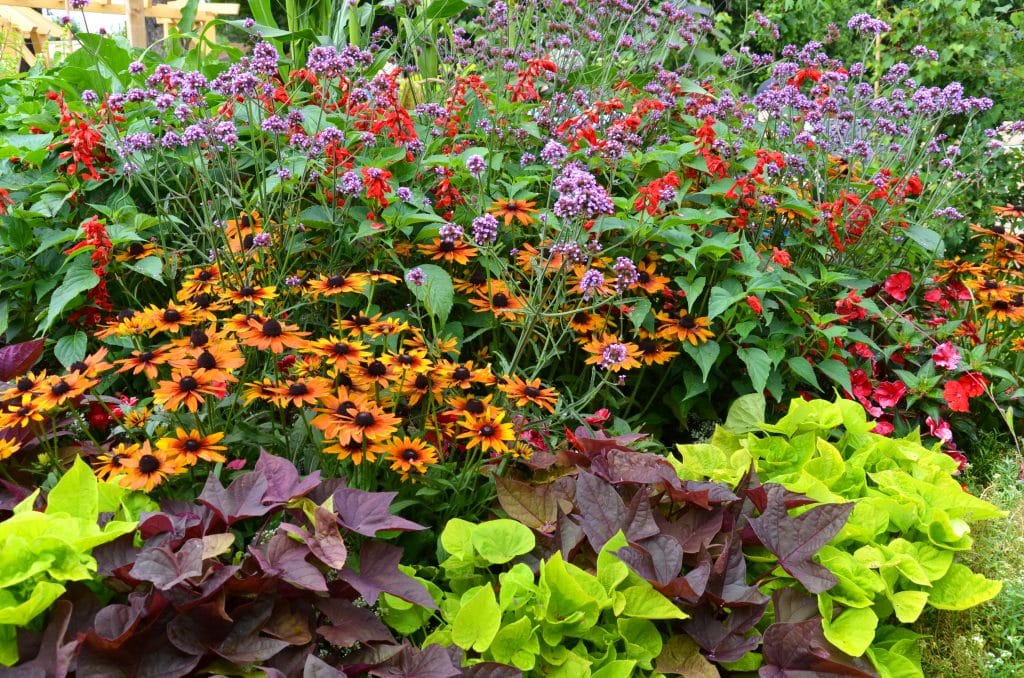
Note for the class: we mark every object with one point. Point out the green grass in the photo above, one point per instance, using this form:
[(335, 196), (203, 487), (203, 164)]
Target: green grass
[(987, 641)]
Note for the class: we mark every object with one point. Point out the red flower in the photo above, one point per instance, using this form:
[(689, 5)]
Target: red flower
[(755, 304), (890, 393), (882, 427), (98, 416), (781, 257), (958, 393), (377, 186), (946, 355), (897, 284), (939, 429), (848, 307), (598, 418)]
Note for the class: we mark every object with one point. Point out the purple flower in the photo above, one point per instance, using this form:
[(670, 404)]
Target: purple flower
[(450, 231), (865, 23), (485, 229), (261, 240), (89, 97), (249, 22), (476, 165), (293, 281), (274, 123), (591, 281), (614, 354), (626, 274), (553, 153), (351, 183), (284, 174), (415, 277), (403, 194), (79, 4), (579, 194)]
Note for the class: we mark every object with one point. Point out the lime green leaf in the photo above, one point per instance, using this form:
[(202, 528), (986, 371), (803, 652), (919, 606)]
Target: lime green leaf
[(852, 631), (746, 412), (908, 605), (478, 620), (499, 541), (516, 644), (643, 602), (455, 539), (961, 589), (75, 493)]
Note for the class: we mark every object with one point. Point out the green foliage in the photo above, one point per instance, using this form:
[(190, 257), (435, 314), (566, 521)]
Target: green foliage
[(895, 555), (561, 621), (40, 551)]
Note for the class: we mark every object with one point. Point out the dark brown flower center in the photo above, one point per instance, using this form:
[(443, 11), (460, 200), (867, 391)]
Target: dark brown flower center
[(247, 291), (341, 348), (475, 406), (60, 388), (500, 300), (136, 248), (421, 381), (365, 419), (204, 276), (644, 277), (299, 389), (25, 384), (248, 241), (1001, 305), (198, 338), (126, 314), (991, 285), (206, 360), (344, 407), (146, 356), (171, 316), (406, 359), (188, 384), (202, 300), (77, 366), (410, 454), (148, 464), (447, 246), (336, 281), (192, 445), (272, 328), (478, 278), (647, 345), (487, 430), (361, 321), (245, 222), (345, 380), (116, 460), (531, 391), (687, 322), (376, 369), (461, 373)]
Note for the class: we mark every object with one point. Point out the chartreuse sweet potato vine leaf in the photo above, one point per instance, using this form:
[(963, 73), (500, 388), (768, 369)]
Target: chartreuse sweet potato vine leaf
[(896, 553), (40, 551), (561, 621)]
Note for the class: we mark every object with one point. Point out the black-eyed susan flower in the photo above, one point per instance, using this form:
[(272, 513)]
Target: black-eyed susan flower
[(356, 450), (137, 251), (470, 404), (489, 431), (653, 352), (339, 353), (92, 365), (418, 386), (610, 353), (148, 468), (522, 391), (466, 375), (386, 327), (648, 278), (409, 454), (300, 392), (259, 390), (375, 275), (127, 323), (185, 389), (368, 422), (272, 334), (586, 322), (477, 282), (8, 447), (334, 407), (326, 286), (502, 305), (414, 360), (110, 466), (20, 415), (452, 251), (252, 294), (240, 233), (373, 373), (191, 446), (174, 318), (683, 327), (57, 390), (357, 324), (511, 209), (26, 384), (143, 362)]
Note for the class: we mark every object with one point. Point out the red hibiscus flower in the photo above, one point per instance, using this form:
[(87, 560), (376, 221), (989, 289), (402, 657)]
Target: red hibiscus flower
[(890, 393), (897, 284)]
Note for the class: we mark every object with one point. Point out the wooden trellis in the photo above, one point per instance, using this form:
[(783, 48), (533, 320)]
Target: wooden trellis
[(21, 27), (135, 12)]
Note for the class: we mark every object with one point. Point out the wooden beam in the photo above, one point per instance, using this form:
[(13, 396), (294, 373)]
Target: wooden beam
[(111, 7), (135, 19)]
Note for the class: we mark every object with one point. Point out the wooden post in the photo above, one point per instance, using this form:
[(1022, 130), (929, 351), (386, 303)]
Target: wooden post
[(135, 16)]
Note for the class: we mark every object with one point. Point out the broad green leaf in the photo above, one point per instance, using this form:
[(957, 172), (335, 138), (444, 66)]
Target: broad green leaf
[(42, 596), (436, 293), (641, 309), (76, 281), (852, 631), (837, 372), (961, 589), (445, 9), (894, 664), (908, 605), (643, 602), (804, 370), (151, 267), (455, 538), (478, 620), (720, 301), (499, 541), (75, 493), (704, 355), (611, 571), (620, 668), (759, 366), (516, 644), (71, 348)]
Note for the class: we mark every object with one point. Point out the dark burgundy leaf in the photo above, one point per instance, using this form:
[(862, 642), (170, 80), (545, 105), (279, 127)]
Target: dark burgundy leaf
[(694, 528), (214, 579), (285, 558), (174, 524), (570, 535), (369, 512), (16, 359), (601, 510), (702, 494), (318, 668), (727, 585), (491, 670), (114, 555), (800, 650), (242, 499), (759, 497), (794, 541), (150, 655), (11, 495), (658, 560), (325, 490), (640, 524), (595, 442), (115, 624), (165, 568), (410, 662), (54, 657), (724, 640), (792, 605), (379, 573), (692, 586), (244, 643), (351, 624), (618, 465), (283, 480)]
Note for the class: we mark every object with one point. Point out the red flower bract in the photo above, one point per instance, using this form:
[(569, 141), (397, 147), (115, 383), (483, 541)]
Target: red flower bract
[(897, 284)]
